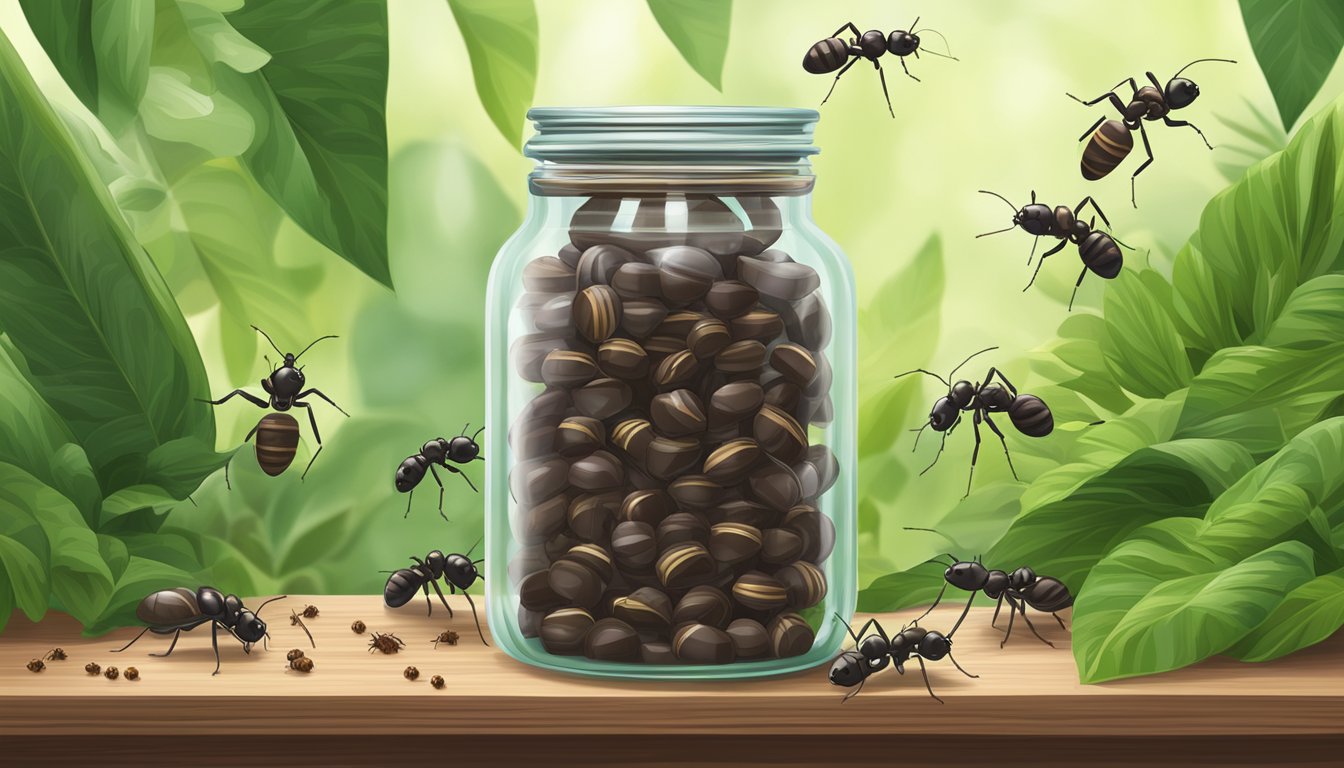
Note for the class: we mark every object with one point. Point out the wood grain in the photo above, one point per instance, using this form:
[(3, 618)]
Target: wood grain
[(1026, 690)]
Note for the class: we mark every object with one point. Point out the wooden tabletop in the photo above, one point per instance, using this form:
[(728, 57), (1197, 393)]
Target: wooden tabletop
[(1026, 691)]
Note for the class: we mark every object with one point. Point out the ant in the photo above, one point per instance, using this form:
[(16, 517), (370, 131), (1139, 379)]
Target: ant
[(277, 433), (828, 55), (458, 570), (385, 643), (459, 450), (871, 654), (1029, 413), (1097, 249), (1112, 140), (1021, 588), (174, 611)]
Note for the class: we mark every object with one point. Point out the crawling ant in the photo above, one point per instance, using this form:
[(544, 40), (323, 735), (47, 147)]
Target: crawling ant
[(1021, 588), (1028, 413), (386, 644), (1112, 140), (1098, 250), (182, 610), (459, 450), (459, 571), (873, 653), (55, 654), (278, 433), (446, 636), (830, 54)]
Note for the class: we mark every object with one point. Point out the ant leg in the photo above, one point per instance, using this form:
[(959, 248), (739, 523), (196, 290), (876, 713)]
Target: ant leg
[(1012, 614), (998, 432), (429, 604), (1086, 201), (836, 81), (1185, 124), (409, 495), (457, 471), (883, 77), (925, 672), (1074, 295), (214, 642), (958, 666), (475, 616), (1115, 99), (997, 606), (171, 645), (137, 637), (1061, 621), (975, 454), (850, 26), (1132, 179), (1094, 127), (1034, 242), (907, 69), (964, 612), (316, 435), (1153, 79), (435, 473), (318, 392), (442, 599), (1022, 608), (937, 455), (996, 372), (1041, 262), (249, 397)]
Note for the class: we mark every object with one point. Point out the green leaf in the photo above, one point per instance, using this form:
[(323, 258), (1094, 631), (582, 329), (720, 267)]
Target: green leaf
[(123, 34), (321, 143), (1155, 605), (1143, 350), (1307, 615), (699, 29), (1296, 43), (174, 111), (501, 39), (25, 555), (103, 340), (897, 591), (65, 30), (140, 578)]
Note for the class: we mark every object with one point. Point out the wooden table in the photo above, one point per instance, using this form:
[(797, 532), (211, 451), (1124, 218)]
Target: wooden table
[(1026, 708)]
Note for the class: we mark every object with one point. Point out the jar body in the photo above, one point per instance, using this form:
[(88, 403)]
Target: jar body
[(674, 370)]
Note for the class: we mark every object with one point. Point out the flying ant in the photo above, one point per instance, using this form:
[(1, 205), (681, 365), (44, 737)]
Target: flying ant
[(873, 653), (278, 433), (1021, 588), (459, 450), (459, 571), (1112, 140), (830, 54), (1028, 413), (1097, 249)]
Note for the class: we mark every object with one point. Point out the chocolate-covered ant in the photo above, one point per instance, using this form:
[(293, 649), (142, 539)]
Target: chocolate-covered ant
[(459, 450), (871, 654), (833, 53), (1029, 413)]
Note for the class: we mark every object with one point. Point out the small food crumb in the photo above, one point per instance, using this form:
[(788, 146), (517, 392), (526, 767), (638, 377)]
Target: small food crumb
[(411, 673), (132, 673), (301, 664), (92, 668), (297, 653), (111, 673), (436, 681), (36, 665), (358, 627)]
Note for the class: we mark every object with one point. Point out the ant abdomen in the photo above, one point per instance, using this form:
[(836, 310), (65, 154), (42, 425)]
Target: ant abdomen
[(1031, 416)]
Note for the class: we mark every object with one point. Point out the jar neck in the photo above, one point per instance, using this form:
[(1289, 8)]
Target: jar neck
[(620, 180)]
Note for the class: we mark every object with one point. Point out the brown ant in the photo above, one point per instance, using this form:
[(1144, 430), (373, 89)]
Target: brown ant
[(386, 643)]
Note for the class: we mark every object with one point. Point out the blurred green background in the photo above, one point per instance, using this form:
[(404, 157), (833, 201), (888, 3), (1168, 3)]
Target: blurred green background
[(898, 195)]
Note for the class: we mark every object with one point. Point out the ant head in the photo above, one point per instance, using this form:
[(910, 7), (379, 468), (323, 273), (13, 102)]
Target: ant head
[(849, 670), (902, 43), (250, 628), (1180, 92), (463, 449), (934, 646), (1035, 218), (873, 43), (409, 475), (966, 574), (943, 415)]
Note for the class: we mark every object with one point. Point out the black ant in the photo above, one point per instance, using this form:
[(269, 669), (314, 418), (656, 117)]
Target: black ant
[(1021, 588), (1029, 413), (277, 433), (459, 450), (1112, 140), (872, 653), (458, 570), (830, 54), (1097, 249)]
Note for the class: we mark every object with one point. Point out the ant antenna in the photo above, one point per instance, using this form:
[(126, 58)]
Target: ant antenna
[(947, 55), (930, 373), (1001, 197), (919, 433), (310, 346), (855, 692), (473, 546), (268, 338), (478, 434), (967, 360), (1196, 61), (257, 612)]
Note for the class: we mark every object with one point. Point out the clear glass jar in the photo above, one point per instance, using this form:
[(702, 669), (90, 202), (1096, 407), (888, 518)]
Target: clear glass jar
[(671, 353)]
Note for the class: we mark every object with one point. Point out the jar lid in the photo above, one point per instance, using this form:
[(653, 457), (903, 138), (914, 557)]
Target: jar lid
[(689, 135)]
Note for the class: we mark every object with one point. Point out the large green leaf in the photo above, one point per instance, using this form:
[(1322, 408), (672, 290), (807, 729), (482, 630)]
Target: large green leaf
[(1143, 350), (104, 342), (896, 591), (1296, 43), (25, 556), (1308, 615), (501, 39), (699, 29), (321, 137), (65, 30)]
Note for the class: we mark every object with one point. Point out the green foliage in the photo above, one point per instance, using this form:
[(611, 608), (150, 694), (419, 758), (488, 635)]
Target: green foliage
[(1296, 43), (98, 371), (501, 39), (699, 29)]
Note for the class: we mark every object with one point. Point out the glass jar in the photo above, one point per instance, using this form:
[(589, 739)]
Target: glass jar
[(671, 354)]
